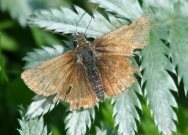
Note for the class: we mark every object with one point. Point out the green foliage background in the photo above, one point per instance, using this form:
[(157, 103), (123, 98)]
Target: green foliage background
[(157, 104)]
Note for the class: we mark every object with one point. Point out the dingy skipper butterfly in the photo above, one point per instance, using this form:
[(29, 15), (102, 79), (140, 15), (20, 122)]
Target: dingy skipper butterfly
[(93, 70)]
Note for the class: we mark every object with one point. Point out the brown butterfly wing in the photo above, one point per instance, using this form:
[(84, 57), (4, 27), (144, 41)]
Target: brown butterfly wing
[(61, 76), (114, 48), (116, 73), (125, 39), (81, 94)]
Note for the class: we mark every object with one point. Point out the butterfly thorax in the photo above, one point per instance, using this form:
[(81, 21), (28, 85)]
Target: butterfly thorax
[(86, 58)]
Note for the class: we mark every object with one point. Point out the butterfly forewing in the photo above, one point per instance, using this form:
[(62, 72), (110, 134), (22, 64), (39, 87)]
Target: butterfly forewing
[(125, 39), (45, 79), (61, 76)]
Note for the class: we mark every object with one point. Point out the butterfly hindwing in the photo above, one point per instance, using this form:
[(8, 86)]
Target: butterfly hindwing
[(63, 77), (125, 39), (81, 94), (116, 73)]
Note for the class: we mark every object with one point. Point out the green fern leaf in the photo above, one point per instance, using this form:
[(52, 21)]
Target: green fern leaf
[(125, 8), (77, 122), (32, 127), (18, 9), (100, 131), (21, 9), (179, 49), (125, 112), (171, 26), (35, 58), (158, 85), (40, 106), (179, 42), (67, 21), (164, 7)]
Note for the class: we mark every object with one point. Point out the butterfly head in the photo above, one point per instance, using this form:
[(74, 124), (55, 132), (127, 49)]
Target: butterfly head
[(80, 40)]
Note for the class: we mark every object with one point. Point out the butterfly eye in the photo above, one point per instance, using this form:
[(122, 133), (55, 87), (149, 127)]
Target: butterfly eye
[(75, 43)]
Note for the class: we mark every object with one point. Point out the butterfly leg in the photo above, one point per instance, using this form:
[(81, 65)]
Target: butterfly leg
[(79, 59)]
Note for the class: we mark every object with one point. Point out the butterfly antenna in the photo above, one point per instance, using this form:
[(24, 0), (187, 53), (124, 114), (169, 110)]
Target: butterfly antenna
[(79, 21), (88, 25), (90, 20)]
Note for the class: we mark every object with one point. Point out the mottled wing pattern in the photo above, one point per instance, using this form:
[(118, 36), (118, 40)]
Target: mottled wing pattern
[(63, 77), (114, 48), (125, 39), (116, 73), (81, 93)]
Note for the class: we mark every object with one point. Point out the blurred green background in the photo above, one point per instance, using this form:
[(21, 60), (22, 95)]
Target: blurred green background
[(17, 38)]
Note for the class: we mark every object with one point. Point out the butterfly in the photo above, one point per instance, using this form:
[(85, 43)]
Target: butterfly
[(92, 71)]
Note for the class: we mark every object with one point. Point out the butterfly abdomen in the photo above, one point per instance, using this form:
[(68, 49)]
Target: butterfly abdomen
[(92, 73), (95, 81)]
